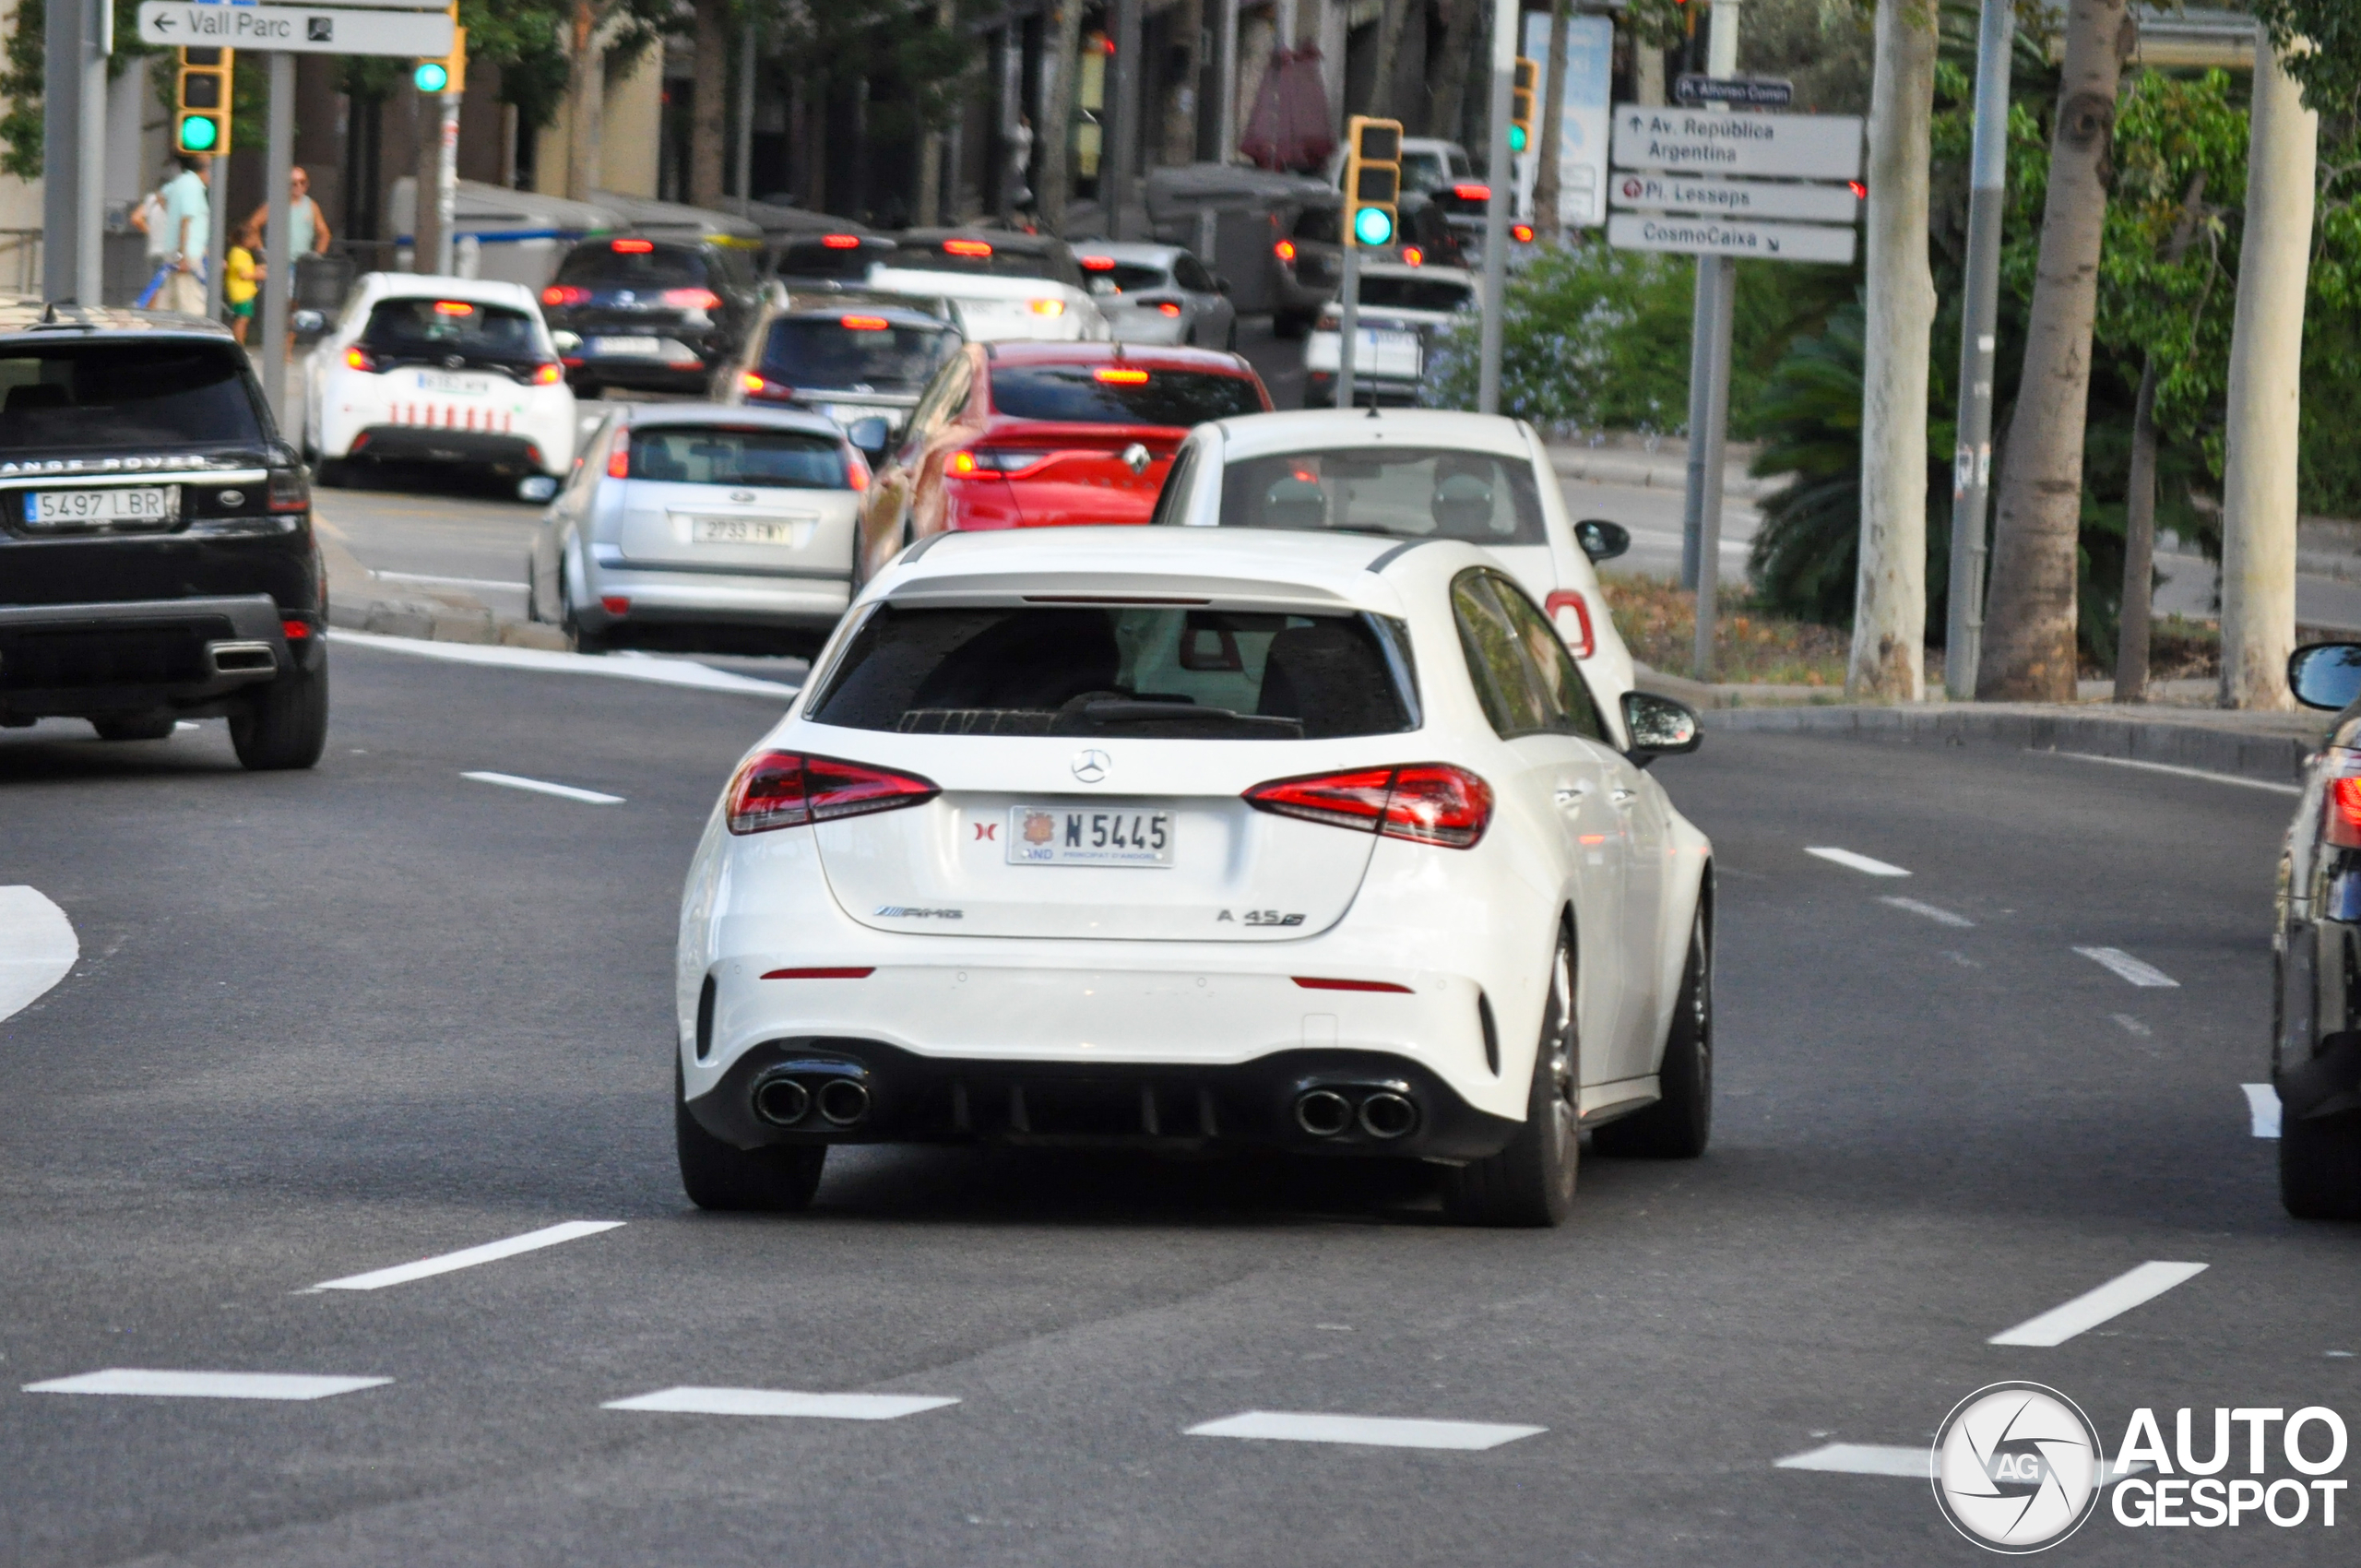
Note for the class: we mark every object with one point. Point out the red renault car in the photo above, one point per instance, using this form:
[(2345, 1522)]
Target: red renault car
[(1019, 435)]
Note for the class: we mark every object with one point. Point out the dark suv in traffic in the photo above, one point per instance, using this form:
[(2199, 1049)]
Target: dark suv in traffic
[(654, 315), (156, 561)]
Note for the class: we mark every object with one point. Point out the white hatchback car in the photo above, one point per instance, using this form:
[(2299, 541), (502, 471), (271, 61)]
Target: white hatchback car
[(1193, 839), (998, 309), (440, 370), (1411, 475), (1401, 309)]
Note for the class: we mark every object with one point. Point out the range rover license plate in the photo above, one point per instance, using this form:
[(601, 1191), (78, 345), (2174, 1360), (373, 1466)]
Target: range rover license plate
[(1059, 835), (153, 503)]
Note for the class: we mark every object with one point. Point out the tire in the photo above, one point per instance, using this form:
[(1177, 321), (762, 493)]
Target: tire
[(1678, 1126), (332, 474), (2319, 1166), (1531, 1182), (578, 637), (285, 724), (1289, 324), (153, 729), (1230, 342), (761, 1180)]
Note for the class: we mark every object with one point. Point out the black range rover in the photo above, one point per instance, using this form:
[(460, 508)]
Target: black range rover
[(156, 561)]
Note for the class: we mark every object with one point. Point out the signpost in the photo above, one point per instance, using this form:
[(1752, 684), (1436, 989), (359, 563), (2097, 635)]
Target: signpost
[(1717, 186), (296, 29)]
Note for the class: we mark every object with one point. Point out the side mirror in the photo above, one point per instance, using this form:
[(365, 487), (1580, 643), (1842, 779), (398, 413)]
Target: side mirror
[(1658, 726), (1600, 540), (565, 342), (536, 487), (869, 437), (2325, 674), (307, 323)]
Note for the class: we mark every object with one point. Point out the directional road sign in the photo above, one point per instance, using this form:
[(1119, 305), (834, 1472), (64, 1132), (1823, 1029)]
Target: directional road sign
[(1702, 142), (296, 29), (363, 5), (1720, 236), (1744, 92), (1736, 198)]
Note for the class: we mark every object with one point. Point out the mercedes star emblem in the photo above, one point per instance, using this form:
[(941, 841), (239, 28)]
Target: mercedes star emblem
[(453, 361), (1090, 767), (1136, 457)]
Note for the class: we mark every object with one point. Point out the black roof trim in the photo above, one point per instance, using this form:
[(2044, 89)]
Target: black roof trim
[(922, 546), (1402, 549)]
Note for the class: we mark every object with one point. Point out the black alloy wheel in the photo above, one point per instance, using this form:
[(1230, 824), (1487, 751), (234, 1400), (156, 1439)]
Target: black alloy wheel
[(1531, 1182), (1679, 1125), (285, 724)]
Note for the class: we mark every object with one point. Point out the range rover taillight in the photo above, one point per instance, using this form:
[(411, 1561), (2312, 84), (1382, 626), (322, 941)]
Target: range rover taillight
[(289, 493), (791, 790)]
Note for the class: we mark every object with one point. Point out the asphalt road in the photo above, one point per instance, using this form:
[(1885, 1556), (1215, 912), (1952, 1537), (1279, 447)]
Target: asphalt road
[(335, 1022)]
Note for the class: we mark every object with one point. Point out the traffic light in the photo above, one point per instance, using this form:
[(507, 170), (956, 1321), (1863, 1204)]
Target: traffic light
[(1521, 90), (202, 101), (1372, 179), (448, 74)]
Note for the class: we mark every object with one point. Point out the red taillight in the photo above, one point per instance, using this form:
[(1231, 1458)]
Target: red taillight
[(1472, 191), (1002, 460), (863, 323), (548, 374), (967, 247), (1314, 982), (1284, 250), (1520, 232), (1581, 639), (1168, 307), (1096, 262), (1413, 256), (788, 789), (963, 463), (295, 631), (841, 241), (565, 294), (358, 358), (839, 972), (856, 469), (618, 455), (750, 382), (1123, 376), (692, 299), (453, 307), (616, 604), (2343, 826), (287, 492), (1427, 802), (632, 247)]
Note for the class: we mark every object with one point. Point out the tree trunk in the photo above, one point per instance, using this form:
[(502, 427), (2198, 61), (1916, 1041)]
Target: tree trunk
[(2140, 505), (2029, 651), (586, 102), (1647, 74), (1391, 27), (2266, 392), (708, 104), (1057, 162), (1447, 71), (1890, 599), (1545, 174)]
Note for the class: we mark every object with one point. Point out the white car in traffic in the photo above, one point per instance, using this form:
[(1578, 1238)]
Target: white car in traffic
[(1413, 475), (450, 371), (1401, 310), (1198, 838), (994, 309)]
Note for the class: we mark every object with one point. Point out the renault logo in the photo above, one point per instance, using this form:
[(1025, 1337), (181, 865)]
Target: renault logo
[(741, 496), (1136, 457), (1090, 767)]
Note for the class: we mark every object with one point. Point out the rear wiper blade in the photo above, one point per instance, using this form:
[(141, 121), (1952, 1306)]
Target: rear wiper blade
[(1117, 712)]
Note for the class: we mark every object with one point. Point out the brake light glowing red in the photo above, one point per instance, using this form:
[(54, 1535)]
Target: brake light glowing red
[(1472, 191), (616, 604), (963, 462), (1168, 307), (752, 381), (692, 299), (967, 247), (1284, 250), (841, 241), (788, 789), (618, 455), (1581, 640), (453, 307), (1520, 232), (1426, 802), (358, 358), (855, 468), (1096, 262), (1122, 376), (863, 323), (1314, 982), (632, 247), (295, 631), (548, 374), (1413, 256), (2342, 824)]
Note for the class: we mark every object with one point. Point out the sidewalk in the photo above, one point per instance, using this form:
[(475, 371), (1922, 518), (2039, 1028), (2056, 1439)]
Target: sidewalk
[(359, 602)]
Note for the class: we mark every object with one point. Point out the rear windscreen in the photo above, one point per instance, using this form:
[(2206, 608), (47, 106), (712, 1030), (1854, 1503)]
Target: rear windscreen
[(1416, 293), (980, 258), (1400, 491), (840, 352), (1130, 276), (814, 259), (1118, 394), (433, 329), (624, 263), (118, 395), (1120, 669), (1321, 225), (699, 454)]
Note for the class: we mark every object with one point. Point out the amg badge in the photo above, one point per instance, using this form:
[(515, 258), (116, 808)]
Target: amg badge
[(909, 912)]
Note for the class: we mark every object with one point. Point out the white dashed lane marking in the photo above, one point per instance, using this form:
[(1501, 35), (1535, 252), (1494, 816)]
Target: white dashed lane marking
[(2092, 1308), (663, 672), (1939, 916), (468, 1257), (37, 947), (2183, 772), (1856, 863), (1865, 1459), (2128, 968), (2262, 1108), (781, 1402), (140, 1383), (542, 786), (1376, 1432)]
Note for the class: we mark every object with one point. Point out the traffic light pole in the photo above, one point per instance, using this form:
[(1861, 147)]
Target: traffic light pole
[(279, 258), (1709, 395), (446, 182), (1348, 325), (1495, 210), (79, 37)]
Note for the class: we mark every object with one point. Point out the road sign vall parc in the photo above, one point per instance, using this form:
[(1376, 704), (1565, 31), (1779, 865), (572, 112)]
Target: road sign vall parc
[(1723, 236), (296, 29), (1701, 142)]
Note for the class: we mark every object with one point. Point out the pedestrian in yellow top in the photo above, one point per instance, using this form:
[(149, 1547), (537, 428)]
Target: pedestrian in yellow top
[(241, 280)]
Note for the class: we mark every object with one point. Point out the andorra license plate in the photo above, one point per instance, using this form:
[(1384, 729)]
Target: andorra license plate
[(116, 506), (1060, 835)]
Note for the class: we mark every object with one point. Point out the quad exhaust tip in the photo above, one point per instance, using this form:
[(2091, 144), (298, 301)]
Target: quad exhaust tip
[(843, 1101), (1322, 1113), (1387, 1115), (781, 1102)]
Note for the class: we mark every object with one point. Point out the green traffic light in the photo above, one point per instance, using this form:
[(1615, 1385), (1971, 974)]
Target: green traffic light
[(1373, 226), (432, 76), (199, 133), (1516, 138)]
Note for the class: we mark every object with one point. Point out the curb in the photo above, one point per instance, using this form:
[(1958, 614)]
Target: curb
[(355, 606), (2270, 747)]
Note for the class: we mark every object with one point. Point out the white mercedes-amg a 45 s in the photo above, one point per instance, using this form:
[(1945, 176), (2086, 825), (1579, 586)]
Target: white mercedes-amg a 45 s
[(1190, 839)]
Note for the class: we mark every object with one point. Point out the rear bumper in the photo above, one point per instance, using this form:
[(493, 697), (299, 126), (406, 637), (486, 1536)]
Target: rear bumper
[(1387, 392), (664, 597), (139, 657), (430, 443)]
